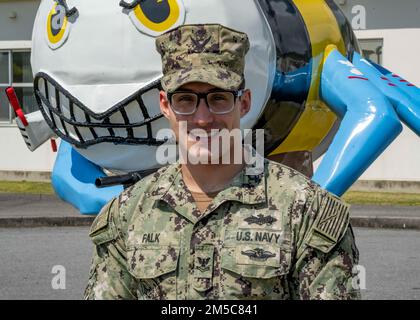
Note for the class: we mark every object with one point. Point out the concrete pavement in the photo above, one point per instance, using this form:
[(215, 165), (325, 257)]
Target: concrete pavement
[(30, 210), (24, 210), (389, 217)]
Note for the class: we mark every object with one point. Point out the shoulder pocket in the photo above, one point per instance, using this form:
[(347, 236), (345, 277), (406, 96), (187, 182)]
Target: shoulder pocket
[(102, 230), (150, 261), (255, 271)]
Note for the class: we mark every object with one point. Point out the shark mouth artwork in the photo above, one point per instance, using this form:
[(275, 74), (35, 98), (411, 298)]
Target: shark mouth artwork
[(127, 122)]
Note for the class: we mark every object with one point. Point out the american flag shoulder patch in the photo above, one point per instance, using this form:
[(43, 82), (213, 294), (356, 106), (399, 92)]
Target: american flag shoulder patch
[(333, 218), (330, 223)]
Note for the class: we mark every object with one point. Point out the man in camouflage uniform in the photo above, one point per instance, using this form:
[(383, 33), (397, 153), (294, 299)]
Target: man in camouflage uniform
[(271, 235)]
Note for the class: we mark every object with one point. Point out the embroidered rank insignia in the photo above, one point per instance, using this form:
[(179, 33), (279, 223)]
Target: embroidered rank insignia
[(258, 254), (204, 264)]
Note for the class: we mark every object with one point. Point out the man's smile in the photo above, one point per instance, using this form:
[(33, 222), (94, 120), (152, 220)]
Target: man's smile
[(202, 135)]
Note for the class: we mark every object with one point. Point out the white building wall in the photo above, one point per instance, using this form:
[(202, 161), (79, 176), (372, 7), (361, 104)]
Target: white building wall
[(16, 21), (401, 161), (15, 156)]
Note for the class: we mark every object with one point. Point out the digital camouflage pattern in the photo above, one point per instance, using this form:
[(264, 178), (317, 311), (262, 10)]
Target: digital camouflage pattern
[(276, 235), (208, 53)]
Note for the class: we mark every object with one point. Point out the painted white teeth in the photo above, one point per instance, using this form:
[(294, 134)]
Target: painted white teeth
[(71, 111)]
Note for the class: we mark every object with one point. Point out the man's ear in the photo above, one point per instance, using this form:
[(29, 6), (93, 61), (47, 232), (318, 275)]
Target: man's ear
[(245, 102), (164, 104)]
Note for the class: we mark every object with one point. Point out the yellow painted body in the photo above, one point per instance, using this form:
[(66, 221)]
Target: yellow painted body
[(317, 119)]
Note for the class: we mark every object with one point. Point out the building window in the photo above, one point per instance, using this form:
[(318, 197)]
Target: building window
[(15, 70), (372, 49)]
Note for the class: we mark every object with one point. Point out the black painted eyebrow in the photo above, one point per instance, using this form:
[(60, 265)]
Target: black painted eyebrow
[(69, 12), (129, 5)]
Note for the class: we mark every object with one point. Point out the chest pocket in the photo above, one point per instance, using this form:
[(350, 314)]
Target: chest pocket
[(155, 266), (256, 271)]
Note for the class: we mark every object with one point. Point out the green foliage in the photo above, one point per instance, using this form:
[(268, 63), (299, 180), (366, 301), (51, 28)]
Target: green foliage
[(382, 198), (26, 187)]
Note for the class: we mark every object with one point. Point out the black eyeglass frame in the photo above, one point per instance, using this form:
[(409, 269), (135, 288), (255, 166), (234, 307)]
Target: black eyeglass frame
[(203, 95)]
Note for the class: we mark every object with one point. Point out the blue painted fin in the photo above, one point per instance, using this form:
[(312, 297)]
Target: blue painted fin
[(73, 179), (369, 123), (404, 95)]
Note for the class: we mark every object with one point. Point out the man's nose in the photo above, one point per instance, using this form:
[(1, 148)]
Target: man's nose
[(203, 116)]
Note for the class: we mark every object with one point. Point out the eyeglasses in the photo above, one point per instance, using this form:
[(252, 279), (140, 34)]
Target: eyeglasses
[(218, 102)]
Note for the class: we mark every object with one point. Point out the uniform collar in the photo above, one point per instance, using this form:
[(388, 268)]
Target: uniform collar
[(247, 187)]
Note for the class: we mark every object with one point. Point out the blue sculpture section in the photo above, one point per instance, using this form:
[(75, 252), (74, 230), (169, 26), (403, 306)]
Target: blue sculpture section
[(73, 179)]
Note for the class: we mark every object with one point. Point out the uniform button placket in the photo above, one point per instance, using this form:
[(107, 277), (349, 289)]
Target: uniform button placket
[(184, 260), (191, 262)]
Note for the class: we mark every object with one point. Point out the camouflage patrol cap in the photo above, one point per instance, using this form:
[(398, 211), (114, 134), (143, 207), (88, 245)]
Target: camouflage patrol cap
[(209, 53)]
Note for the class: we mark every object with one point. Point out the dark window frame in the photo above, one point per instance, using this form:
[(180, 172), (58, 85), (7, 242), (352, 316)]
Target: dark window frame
[(363, 48), (11, 119)]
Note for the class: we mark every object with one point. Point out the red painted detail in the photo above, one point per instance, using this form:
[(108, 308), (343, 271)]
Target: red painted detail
[(356, 77), (395, 76), (53, 145), (385, 78), (403, 80), (410, 85), (391, 84), (11, 95)]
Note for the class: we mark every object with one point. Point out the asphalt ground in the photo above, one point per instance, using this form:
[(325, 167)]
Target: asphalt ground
[(32, 258)]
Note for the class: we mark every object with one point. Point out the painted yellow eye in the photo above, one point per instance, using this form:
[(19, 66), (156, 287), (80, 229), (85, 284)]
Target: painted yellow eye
[(154, 17), (58, 27)]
